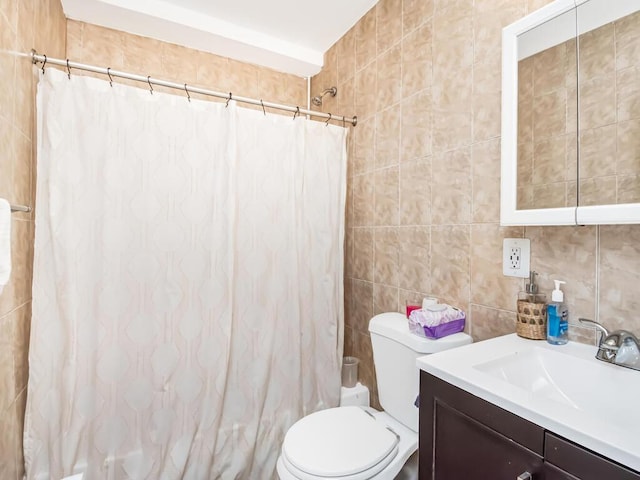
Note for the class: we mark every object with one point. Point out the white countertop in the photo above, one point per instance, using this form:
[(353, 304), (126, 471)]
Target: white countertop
[(562, 388)]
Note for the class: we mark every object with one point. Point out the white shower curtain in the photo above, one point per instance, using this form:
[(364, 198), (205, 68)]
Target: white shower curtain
[(187, 300)]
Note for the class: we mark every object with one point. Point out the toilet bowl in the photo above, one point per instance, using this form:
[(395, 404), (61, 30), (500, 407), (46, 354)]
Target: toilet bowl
[(359, 442)]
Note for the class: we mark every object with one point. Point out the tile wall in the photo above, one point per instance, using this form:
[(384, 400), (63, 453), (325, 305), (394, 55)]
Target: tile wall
[(24, 24), (423, 77)]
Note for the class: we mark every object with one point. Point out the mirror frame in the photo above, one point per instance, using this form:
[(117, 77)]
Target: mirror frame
[(509, 214)]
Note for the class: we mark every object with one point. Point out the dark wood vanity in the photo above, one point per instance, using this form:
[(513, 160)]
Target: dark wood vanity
[(465, 437)]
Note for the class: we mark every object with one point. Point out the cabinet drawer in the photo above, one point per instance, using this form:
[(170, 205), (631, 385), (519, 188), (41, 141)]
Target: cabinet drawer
[(583, 463)]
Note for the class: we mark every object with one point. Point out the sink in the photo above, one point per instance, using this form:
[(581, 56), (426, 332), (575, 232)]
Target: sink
[(573, 381), (561, 388)]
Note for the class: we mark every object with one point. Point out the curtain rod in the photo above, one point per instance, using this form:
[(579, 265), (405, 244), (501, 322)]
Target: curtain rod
[(37, 58)]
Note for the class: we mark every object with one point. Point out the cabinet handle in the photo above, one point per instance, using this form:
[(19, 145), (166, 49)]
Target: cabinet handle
[(525, 476)]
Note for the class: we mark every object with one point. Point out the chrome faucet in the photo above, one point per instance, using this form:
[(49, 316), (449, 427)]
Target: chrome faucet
[(620, 347)]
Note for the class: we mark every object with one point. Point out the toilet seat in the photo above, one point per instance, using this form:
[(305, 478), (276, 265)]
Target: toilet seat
[(344, 443)]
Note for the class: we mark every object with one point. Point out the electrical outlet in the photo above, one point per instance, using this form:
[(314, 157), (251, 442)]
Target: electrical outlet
[(516, 253)]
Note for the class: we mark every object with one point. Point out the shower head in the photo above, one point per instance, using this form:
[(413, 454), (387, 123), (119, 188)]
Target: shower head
[(317, 100)]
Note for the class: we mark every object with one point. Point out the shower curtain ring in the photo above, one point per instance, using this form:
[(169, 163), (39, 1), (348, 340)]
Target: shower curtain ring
[(149, 82), (263, 110), (328, 119), (186, 90), (110, 77), (296, 113), (229, 99), (44, 63), (68, 70)]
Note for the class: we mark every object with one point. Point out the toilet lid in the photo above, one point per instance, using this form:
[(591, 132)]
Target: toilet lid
[(338, 442)]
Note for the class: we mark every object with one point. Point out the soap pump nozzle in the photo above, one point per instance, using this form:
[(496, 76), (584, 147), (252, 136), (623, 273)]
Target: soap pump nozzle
[(558, 295), (531, 287)]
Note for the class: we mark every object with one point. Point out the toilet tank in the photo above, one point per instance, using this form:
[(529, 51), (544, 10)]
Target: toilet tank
[(395, 350)]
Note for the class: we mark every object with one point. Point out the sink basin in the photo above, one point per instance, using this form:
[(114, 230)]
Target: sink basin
[(564, 389), (573, 381)]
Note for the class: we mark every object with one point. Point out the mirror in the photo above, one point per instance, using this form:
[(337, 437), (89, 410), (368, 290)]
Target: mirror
[(571, 115)]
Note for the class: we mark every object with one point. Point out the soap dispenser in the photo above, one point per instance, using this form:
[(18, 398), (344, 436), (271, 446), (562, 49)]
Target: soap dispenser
[(557, 317)]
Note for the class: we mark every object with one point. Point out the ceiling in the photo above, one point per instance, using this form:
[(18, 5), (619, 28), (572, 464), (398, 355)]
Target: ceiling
[(286, 35)]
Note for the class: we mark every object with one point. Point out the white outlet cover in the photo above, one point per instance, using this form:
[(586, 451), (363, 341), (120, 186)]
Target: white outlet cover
[(524, 244)]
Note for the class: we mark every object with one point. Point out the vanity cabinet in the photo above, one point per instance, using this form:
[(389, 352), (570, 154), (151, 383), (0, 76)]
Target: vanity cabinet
[(465, 437)]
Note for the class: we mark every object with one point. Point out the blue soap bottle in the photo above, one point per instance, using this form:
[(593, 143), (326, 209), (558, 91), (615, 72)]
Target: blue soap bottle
[(557, 317)]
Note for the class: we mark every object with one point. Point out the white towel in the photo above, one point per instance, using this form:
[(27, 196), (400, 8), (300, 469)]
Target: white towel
[(5, 242)]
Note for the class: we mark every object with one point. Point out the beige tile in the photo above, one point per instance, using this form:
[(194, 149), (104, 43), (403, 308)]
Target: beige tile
[(349, 319), (387, 140), (415, 192), (597, 99), (417, 60), (598, 152), (628, 152), (549, 156), (486, 101), (525, 198), (24, 95), (551, 195), (386, 256), (349, 341), (597, 52), (366, 99), (598, 191), (7, 71), (533, 5), (453, 38), (451, 129), (549, 70), (489, 286), (244, 78), (348, 252), (363, 197), (22, 170), (488, 24), (388, 77), (485, 161), (415, 13), (628, 93), (525, 121), (101, 46), (489, 323), (627, 41), (525, 164), (347, 97), (21, 331), (415, 258), (566, 253), (619, 276), (416, 126), (366, 39), (363, 254), (347, 56), (549, 114), (386, 196), (385, 299), (628, 189), (451, 187), (362, 304), (8, 139), (364, 160), (450, 263), (389, 24)]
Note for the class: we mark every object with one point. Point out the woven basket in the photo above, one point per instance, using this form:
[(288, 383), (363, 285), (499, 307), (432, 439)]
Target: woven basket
[(532, 320)]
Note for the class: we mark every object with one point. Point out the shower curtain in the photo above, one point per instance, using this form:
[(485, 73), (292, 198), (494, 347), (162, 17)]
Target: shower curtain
[(187, 293)]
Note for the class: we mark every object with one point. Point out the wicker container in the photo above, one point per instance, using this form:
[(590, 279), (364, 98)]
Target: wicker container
[(532, 317)]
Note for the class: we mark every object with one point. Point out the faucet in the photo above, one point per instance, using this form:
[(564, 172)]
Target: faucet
[(619, 347)]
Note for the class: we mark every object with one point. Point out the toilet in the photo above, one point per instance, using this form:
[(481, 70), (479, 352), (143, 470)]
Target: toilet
[(358, 442)]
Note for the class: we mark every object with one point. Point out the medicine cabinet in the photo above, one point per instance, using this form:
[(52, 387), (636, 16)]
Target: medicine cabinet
[(571, 115)]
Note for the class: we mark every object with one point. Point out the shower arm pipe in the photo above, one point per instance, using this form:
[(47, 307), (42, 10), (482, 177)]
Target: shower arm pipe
[(68, 64)]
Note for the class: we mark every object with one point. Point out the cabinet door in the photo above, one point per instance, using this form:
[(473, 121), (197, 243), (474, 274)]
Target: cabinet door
[(467, 449), (583, 463), (464, 437)]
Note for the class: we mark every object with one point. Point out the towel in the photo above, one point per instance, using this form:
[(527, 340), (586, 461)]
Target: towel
[(5, 242)]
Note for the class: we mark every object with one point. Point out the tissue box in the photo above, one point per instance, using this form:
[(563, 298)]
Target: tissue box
[(454, 324)]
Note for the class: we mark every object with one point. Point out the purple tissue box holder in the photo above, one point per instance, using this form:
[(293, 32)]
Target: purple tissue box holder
[(438, 331)]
